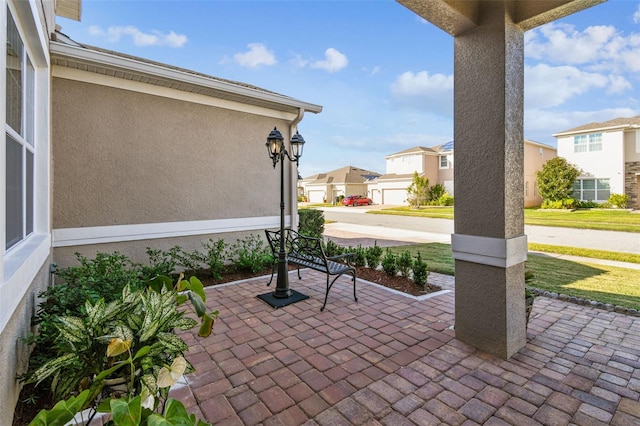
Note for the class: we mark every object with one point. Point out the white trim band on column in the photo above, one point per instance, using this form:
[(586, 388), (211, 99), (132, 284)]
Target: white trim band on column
[(65, 237), (498, 252)]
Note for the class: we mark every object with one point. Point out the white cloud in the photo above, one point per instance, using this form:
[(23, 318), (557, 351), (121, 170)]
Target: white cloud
[(636, 16), (562, 43), (547, 86), (429, 92), (334, 61), (139, 38), (371, 71), (299, 62), (257, 55)]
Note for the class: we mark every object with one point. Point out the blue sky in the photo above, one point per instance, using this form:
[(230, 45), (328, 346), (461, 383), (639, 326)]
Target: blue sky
[(383, 75)]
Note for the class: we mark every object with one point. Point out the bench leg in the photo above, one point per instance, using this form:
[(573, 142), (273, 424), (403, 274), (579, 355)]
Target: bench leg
[(329, 285)]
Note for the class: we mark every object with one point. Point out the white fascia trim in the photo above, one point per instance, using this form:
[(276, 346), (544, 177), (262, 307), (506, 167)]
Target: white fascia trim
[(21, 265), (499, 252), (594, 130), (65, 237), (165, 92), (84, 54)]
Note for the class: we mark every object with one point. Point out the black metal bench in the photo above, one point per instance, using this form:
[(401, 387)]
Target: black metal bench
[(308, 252)]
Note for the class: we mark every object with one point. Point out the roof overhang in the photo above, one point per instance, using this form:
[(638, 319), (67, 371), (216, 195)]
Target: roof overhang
[(136, 69), (459, 16), (71, 9), (597, 129)]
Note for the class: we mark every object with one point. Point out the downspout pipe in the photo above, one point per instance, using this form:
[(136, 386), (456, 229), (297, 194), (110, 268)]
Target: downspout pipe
[(293, 175)]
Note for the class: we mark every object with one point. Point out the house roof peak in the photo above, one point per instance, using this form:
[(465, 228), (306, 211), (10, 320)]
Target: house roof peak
[(622, 122)]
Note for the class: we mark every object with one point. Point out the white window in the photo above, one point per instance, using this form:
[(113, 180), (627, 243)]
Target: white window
[(19, 138), (590, 143), (444, 163), (595, 142), (637, 141), (592, 189)]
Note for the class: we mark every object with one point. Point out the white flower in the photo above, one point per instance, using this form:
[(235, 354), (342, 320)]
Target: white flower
[(169, 376)]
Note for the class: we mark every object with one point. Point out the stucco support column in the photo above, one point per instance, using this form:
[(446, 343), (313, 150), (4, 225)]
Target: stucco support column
[(489, 245)]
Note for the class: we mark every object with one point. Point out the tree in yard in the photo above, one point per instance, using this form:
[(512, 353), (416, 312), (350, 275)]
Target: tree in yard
[(555, 180), (418, 191)]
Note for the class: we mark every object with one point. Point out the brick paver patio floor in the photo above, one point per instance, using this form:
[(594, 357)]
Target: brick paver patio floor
[(393, 360)]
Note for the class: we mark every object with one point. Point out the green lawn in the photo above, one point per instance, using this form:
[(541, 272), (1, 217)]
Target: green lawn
[(608, 284), (608, 220)]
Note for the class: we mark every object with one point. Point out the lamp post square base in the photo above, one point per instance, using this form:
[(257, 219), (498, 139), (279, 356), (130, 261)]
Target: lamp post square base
[(276, 302)]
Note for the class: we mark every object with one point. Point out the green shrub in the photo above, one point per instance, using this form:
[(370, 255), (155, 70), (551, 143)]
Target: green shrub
[(420, 272), (161, 262), (311, 223), (359, 258), (188, 261), (436, 191), (556, 178), (587, 205), (390, 263), (250, 254), (619, 200), (566, 203), (332, 249), (215, 256), (445, 200), (404, 263), (103, 277), (124, 347), (374, 255)]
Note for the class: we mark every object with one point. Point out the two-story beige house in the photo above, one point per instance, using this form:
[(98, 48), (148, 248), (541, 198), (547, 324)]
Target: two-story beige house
[(327, 187), (437, 164)]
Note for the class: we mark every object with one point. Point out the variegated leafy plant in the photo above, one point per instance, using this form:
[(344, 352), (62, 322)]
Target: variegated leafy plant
[(126, 348)]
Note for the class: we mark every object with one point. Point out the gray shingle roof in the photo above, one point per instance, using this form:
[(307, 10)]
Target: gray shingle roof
[(616, 122)]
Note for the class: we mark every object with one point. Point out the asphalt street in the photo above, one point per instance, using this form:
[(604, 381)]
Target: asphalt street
[(416, 229)]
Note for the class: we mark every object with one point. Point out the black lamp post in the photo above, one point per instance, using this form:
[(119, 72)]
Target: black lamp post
[(283, 295)]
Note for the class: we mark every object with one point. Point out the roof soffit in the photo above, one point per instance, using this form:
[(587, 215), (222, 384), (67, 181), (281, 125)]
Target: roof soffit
[(458, 16)]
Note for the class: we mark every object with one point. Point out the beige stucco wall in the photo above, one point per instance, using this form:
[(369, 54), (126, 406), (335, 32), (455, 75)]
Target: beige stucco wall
[(443, 175), (121, 157), (14, 354), (535, 156)]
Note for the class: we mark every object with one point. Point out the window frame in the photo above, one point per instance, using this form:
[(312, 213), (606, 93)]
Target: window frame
[(25, 138), (446, 159), (587, 142), (579, 189)]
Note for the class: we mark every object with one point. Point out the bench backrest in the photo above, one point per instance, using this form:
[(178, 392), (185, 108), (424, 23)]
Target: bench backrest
[(299, 246)]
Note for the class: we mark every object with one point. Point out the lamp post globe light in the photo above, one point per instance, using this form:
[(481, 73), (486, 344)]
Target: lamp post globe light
[(283, 295)]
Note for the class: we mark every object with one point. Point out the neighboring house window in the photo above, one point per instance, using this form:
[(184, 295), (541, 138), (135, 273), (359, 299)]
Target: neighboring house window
[(19, 136), (592, 189), (590, 143), (638, 142), (444, 163)]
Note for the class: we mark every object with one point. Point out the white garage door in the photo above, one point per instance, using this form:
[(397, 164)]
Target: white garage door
[(394, 196), (316, 196)]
